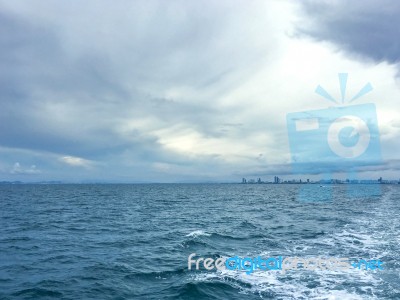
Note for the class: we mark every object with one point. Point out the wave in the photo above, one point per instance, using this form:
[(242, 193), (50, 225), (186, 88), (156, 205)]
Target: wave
[(197, 233), (298, 284), (38, 292)]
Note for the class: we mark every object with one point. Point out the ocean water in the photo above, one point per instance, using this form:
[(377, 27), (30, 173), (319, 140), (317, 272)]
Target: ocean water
[(133, 241)]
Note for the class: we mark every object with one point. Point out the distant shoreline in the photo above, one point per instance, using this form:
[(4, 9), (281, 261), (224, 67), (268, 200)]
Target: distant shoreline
[(391, 182)]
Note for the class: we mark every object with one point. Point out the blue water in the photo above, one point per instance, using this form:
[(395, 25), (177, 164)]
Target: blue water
[(133, 241)]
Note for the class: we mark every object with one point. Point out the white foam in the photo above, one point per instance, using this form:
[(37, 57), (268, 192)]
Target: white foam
[(295, 284), (340, 294), (364, 234), (198, 233)]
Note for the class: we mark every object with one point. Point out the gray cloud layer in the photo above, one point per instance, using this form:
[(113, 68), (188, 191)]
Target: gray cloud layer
[(90, 80), (156, 91), (368, 28)]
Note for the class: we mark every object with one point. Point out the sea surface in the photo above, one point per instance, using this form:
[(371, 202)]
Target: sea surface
[(133, 241)]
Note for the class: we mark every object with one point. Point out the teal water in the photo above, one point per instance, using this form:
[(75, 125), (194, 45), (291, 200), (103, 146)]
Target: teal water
[(133, 241)]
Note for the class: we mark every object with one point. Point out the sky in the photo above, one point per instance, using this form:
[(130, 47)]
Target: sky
[(184, 91)]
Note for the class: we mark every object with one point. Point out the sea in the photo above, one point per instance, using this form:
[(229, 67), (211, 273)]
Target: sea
[(132, 241)]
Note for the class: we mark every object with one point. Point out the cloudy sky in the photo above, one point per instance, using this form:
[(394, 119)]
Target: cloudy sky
[(184, 91)]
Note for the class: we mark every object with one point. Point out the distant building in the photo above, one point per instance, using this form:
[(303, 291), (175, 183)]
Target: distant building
[(244, 180)]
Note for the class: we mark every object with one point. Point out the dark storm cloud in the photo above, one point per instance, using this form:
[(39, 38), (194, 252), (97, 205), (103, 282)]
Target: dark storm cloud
[(367, 28)]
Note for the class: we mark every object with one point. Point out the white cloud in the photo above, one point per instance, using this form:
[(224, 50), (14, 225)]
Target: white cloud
[(18, 169), (76, 161)]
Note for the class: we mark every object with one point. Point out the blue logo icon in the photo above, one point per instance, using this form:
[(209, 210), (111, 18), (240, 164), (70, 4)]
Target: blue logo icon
[(339, 139)]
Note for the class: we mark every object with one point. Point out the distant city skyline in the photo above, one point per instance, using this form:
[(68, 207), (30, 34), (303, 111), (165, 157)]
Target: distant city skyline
[(278, 180)]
